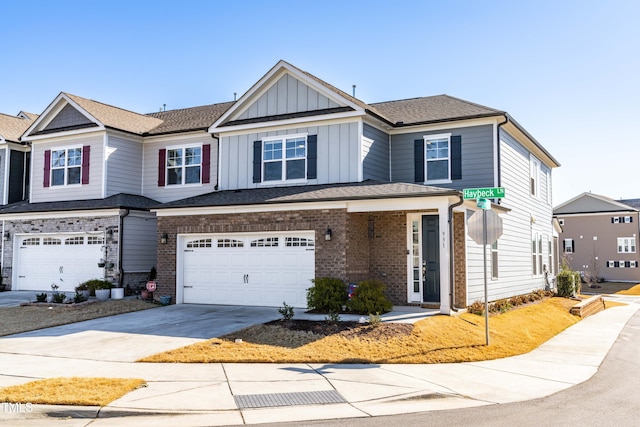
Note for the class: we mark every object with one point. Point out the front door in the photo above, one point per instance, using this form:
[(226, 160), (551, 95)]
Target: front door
[(430, 259)]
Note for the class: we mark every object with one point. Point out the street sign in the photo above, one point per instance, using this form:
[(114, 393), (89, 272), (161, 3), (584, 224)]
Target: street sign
[(483, 193), (494, 227)]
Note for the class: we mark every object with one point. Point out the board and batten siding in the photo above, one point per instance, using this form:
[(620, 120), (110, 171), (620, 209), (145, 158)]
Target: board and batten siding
[(92, 190), (169, 193), (375, 154), (139, 242), (527, 215), (477, 156), (288, 95), (338, 156), (124, 161)]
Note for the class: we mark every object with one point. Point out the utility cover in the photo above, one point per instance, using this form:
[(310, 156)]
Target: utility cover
[(475, 227)]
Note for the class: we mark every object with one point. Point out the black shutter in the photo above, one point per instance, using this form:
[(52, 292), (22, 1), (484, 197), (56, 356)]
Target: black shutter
[(312, 156), (456, 157), (573, 246), (564, 245), (257, 161), (419, 158)]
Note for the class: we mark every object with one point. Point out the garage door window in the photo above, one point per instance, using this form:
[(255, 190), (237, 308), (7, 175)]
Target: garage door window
[(230, 243), (31, 241), (95, 240), (79, 240), (265, 243), (298, 242), (51, 241), (202, 243)]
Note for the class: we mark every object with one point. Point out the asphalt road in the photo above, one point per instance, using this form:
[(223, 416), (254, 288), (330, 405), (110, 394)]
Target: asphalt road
[(609, 398)]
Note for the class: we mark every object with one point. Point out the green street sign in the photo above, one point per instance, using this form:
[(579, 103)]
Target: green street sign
[(483, 193)]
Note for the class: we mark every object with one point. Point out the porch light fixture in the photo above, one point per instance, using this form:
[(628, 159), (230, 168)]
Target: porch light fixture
[(164, 238), (109, 234), (6, 235), (328, 234)]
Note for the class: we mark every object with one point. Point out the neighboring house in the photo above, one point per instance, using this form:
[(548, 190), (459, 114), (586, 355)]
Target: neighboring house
[(88, 214), (313, 182), (14, 157), (599, 236)]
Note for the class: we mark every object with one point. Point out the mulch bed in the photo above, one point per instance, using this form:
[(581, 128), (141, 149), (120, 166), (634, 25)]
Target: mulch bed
[(347, 329)]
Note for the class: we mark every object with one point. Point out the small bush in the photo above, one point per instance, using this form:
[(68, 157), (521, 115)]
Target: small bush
[(501, 306), (477, 307), (332, 317), (568, 283), (94, 284), (59, 298), (41, 297), (286, 311), (79, 297), (375, 319), (369, 298), (327, 295)]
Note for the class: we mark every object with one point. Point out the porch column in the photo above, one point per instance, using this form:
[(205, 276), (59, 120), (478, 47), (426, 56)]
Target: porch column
[(443, 212)]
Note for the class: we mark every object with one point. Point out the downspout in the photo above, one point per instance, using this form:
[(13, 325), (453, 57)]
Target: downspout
[(218, 157), (452, 304), (120, 244), (506, 120)]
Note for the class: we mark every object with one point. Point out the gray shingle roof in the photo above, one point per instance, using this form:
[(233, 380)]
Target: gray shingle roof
[(634, 203), (310, 193), (12, 127), (124, 201), (185, 119)]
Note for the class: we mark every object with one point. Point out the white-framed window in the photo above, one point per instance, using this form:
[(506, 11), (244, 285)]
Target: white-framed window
[(438, 157), (77, 240), (494, 260), (536, 253), (184, 165), (31, 241), (51, 241), (284, 158), (201, 243), (230, 243), (568, 246), (298, 242), (266, 242), (549, 189), (66, 166), (550, 253), (626, 245), (95, 240), (534, 176)]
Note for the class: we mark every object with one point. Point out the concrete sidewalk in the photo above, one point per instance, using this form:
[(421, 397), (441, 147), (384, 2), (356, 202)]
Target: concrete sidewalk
[(232, 394)]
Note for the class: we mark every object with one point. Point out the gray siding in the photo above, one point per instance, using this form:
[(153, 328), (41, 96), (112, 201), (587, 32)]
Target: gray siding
[(375, 154), (124, 162), (93, 190), (477, 156), (175, 192), (527, 215), (3, 185), (287, 96), (338, 156), (68, 117), (139, 242)]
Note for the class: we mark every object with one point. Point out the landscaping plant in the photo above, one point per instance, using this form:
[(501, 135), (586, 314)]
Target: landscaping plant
[(286, 311), (369, 298), (327, 295)]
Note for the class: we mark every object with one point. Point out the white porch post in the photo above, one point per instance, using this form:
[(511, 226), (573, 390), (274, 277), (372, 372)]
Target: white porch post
[(443, 215)]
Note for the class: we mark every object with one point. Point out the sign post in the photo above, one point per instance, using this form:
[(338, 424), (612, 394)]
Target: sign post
[(484, 227)]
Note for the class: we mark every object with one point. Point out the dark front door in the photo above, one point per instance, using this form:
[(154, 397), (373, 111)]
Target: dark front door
[(431, 258)]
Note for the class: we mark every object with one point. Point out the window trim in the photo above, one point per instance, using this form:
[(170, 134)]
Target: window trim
[(568, 248), (631, 245), (66, 149), (183, 147), (283, 160), (534, 176), (426, 139)]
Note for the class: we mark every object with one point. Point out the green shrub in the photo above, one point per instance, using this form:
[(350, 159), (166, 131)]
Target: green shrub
[(327, 295), (94, 284), (41, 297), (369, 298), (568, 283), (286, 311), (59, 298), (79, 297)]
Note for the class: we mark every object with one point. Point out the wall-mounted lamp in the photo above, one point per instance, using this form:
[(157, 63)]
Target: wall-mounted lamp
[(164, 238), (109, 234), (6, 235), (328, 234)]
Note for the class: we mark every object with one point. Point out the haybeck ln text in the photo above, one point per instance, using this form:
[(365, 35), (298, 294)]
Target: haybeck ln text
[(483, 193)]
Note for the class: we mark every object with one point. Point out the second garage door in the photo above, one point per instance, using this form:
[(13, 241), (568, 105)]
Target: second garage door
[(248, 269)]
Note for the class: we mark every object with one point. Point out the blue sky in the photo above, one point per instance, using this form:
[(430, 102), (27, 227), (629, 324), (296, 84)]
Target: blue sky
[(568, 71)]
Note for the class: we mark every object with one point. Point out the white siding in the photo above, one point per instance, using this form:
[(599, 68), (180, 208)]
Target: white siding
[(93, 190), (139, 242), (124, 164), (175, 192), (338, 155), (528, 214), (288, 95)]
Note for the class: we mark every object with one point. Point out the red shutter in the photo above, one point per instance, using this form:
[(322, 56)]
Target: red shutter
[(206, 163), (86, 150), (47, 168), (162, 160)]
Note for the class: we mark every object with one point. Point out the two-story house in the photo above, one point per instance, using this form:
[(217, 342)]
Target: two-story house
[(599, 237), (313, 182)]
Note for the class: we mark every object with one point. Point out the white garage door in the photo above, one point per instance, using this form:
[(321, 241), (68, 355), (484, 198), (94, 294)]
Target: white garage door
[(238, 269), (63, 259)]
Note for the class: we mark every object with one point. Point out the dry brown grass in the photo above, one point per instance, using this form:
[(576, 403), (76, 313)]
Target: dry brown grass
[(633, 291), (29, 318), (438, 339), (71, 391)]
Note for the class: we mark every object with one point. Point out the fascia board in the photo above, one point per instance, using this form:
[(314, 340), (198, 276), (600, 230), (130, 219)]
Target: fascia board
[(307, 121), (23, 216), (68, 136), (452, 124), (176, 136), (237, 209)]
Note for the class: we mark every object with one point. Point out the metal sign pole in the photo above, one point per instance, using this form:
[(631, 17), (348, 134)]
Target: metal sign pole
[(484, 256)]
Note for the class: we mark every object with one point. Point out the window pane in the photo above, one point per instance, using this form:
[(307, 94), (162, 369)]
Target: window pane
[(57, 158), (296, 148), (193, 175), (192, 156), (174, 176), (273, 171), (273, 150), (295, 169), (174, 157), (73, 176), (438, 169), (74, 157), (57, 177)]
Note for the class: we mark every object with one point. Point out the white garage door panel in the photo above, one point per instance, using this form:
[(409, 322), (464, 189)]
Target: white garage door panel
[(62, 259), (266, 269)]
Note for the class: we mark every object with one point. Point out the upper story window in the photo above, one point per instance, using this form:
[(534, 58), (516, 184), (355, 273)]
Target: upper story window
[(284, 158), (626, 245), (184, 165), (438, 164), (534, 176), (66, 166)]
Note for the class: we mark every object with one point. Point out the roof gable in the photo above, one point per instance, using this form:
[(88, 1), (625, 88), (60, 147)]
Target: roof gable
[(591, 203), (12, 127)]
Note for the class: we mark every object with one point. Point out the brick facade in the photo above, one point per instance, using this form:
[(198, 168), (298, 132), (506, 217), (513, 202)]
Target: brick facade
[(459, 260)]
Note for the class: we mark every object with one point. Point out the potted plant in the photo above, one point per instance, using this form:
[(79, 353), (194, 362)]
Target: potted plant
[(102, 289), (117, 292), (83, 288), (101, 263)]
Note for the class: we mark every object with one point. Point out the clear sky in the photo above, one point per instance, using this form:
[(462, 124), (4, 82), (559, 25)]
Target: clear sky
[(568, 71)]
